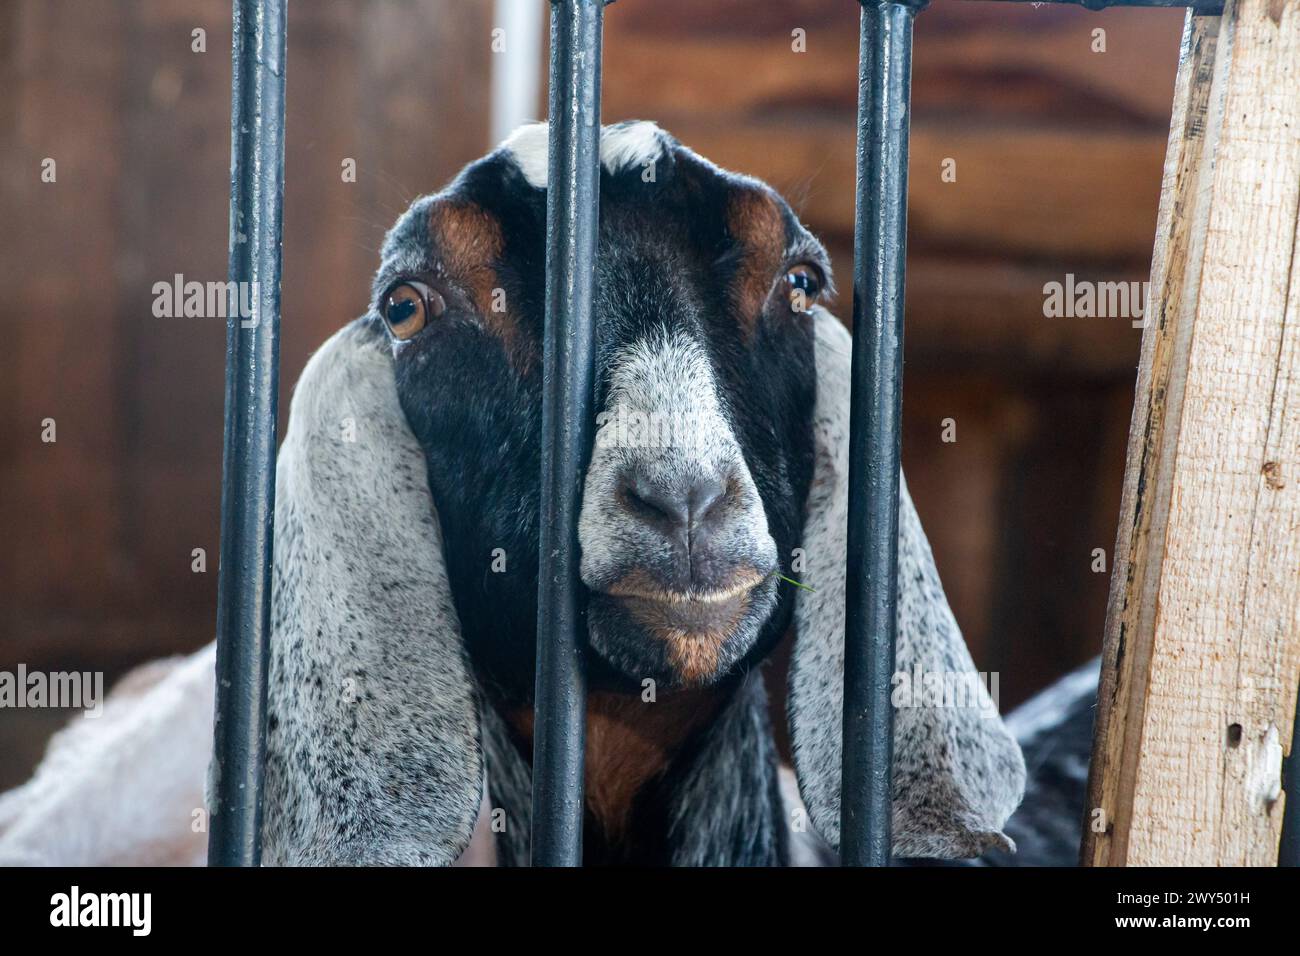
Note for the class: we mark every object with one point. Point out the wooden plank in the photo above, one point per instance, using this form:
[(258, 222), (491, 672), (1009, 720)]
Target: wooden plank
[(1202, 644), (1140, 534), (1015, 187), (735, 60)]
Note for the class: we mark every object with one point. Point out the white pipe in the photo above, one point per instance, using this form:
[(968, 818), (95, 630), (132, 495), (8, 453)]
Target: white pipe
[(516, 65)]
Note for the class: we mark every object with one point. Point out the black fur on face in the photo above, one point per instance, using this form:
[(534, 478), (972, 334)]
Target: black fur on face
[(684, 531)]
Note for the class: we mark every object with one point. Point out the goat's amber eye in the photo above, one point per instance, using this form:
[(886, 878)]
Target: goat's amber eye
[(803, 285), (408, 307)]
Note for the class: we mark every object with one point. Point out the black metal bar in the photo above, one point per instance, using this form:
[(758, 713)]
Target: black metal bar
[(879, 248), (1288, 851), (248, 465), (1200, 6), (572, 212)]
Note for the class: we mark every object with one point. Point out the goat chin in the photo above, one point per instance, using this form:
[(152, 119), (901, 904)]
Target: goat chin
[(127, 788)]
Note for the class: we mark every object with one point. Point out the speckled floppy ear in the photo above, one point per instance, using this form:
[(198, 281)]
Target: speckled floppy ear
[(373, 741), (958, 773)]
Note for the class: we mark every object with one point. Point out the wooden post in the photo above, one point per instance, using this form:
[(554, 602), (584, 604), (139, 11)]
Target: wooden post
[(1202, 646)]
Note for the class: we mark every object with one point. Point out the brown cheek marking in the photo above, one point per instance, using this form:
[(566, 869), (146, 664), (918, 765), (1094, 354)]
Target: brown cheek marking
[(468, 240), (755, 222)]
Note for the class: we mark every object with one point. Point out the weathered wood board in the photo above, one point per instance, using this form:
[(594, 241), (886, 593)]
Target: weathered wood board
[(1202, 644)]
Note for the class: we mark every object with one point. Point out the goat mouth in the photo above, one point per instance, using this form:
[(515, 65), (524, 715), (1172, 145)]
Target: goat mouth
[(686, 618), (684, 638), (676, 616)]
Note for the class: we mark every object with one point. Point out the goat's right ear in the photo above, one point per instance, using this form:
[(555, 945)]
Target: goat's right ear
[(374, 750), (958, 772)]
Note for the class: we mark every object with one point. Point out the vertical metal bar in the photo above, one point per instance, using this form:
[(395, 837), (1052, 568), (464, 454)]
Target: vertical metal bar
[(879, 248), (248, 465), (572, 211)]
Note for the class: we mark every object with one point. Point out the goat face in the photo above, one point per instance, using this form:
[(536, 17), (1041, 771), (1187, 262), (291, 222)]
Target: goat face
[(702, 457)]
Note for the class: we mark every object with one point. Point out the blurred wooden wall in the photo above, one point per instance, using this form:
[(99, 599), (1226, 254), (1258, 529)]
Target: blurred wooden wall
[(1058, 153), (99, 527)]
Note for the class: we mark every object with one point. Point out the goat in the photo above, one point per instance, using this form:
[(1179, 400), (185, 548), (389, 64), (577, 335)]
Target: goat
[(404, 610)]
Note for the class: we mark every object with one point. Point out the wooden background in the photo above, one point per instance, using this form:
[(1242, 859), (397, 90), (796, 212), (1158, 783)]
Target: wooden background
[(1058, 154)]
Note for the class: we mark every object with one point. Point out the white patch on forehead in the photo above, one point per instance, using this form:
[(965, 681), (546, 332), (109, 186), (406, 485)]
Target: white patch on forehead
[(672, 376), (528, 147), (630, 145), (621, 147)]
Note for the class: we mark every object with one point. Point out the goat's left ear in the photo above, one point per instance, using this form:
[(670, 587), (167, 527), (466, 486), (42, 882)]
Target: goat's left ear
[(373, 737), (957, 773)]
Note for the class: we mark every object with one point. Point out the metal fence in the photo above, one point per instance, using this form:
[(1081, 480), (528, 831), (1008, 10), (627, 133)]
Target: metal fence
[(248, 484), (248, 456)]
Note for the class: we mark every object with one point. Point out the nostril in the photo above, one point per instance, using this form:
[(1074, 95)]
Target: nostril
[(655, 501), (703, 497), (680, 507)]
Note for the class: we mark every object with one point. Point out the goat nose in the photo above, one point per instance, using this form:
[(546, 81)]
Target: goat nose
[(680, 507)]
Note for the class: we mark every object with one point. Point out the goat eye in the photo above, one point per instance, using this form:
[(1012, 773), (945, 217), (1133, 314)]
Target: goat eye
[(803, 286), (408, 306)]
